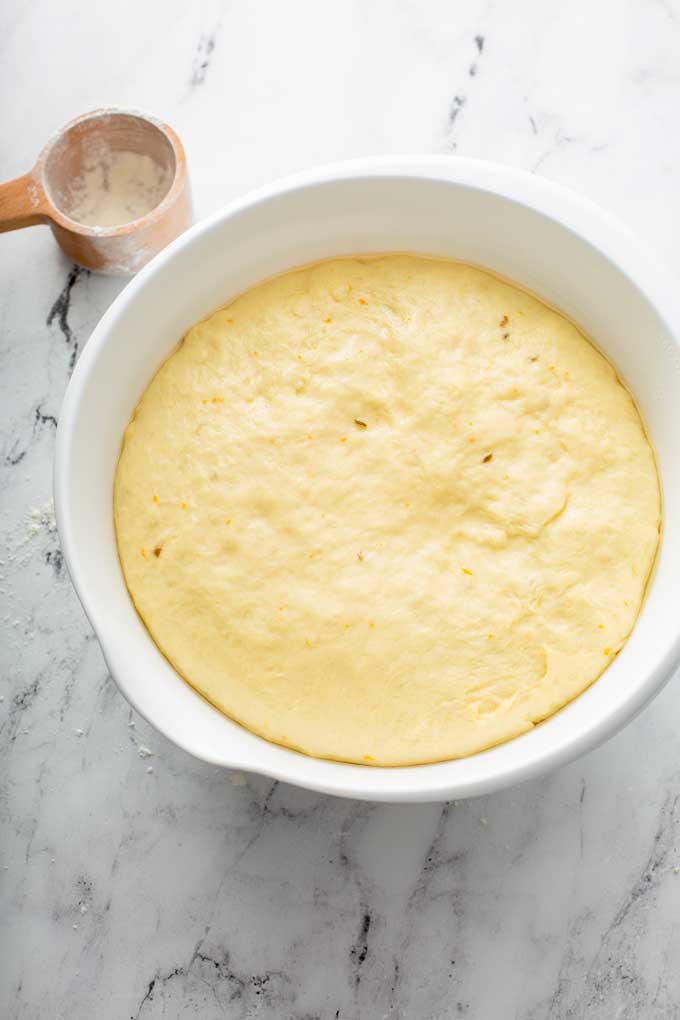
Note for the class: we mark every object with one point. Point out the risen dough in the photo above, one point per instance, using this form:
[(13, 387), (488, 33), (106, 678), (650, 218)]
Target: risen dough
[(387, 510)]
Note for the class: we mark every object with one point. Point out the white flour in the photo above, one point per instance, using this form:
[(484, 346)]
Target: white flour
[(116, 187), (41, 519)]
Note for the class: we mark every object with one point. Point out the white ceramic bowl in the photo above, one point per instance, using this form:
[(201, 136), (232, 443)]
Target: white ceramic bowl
[(555, 244)]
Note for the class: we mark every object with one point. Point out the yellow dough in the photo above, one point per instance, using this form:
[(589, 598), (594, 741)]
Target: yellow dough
[(387, 510)]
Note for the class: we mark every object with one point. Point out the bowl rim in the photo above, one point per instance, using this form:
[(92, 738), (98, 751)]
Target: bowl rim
[(572, 212)]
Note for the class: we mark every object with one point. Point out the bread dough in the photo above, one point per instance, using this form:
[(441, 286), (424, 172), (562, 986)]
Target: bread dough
[(387, 510)]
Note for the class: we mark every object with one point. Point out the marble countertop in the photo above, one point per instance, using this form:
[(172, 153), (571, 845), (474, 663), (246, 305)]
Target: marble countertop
[(139, 884)]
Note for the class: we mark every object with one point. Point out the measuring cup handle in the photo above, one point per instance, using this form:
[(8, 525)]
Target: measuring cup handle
[(23, 203)]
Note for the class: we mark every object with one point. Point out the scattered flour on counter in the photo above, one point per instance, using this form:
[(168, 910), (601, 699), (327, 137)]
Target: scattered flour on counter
[(39, 522), (115, 187), (41, 519), (144, 752), (238, 779)]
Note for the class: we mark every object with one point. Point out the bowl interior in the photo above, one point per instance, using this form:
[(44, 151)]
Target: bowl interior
[(547, 241)]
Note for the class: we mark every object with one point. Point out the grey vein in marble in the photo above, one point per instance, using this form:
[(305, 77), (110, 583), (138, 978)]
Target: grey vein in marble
[(59, 312), (201, 63)]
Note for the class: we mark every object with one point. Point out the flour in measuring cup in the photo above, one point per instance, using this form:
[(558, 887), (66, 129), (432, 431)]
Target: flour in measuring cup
[(116, 187)]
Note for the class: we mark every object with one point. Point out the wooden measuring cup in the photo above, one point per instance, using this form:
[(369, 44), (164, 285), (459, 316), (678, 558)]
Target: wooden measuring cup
[(44, 194)]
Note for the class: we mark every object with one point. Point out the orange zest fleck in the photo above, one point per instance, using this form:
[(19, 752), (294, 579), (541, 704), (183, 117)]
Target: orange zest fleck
[(368, 757), (227, 520), (466, 571), (362, 302), (184, 506), (328, 319), (217, 400), (143, 552), (155, 499)]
